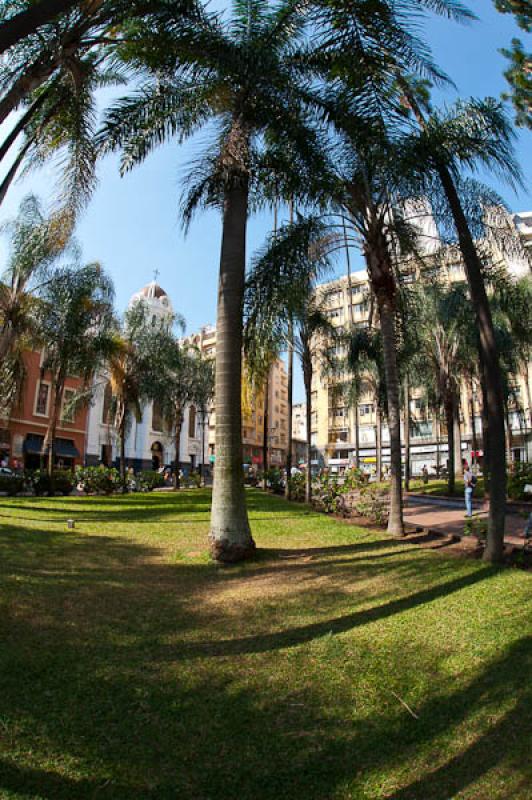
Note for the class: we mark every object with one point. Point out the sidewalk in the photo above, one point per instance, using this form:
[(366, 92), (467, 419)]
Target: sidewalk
[(448, 517)]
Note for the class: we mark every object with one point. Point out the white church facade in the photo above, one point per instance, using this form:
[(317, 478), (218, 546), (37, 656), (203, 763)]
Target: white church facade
[(148, 444)]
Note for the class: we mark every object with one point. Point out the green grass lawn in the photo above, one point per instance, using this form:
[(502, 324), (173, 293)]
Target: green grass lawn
[(438, 488), (339, 664)]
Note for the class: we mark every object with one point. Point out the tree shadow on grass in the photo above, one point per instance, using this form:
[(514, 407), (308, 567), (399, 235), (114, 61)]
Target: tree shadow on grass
[(96, 704), (297, 636)]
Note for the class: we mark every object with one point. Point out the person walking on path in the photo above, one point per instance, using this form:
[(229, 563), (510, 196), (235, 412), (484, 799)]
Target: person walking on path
[(469, 485)]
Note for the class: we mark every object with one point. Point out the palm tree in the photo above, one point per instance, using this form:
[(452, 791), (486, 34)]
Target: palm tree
[(186, 379), (469, 135), (59, 124), (445, 352), (282, 305), (365, 362), (74, 320), (133, 370), (36, 244), (22, 24), (244, 74)]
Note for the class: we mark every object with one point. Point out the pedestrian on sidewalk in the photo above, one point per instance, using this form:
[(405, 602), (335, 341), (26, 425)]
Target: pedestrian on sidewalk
[(469, 486)]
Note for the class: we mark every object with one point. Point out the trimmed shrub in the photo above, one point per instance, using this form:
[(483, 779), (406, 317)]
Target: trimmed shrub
[(63, 481), (11, 484), (98, 480), (147, 480)]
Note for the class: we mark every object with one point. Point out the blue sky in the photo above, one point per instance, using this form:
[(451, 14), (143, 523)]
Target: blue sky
[(132, 224)]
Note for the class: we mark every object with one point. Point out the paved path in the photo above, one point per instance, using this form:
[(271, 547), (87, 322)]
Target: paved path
[(449, 517)]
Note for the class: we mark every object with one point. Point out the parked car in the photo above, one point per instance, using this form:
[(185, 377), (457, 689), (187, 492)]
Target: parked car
[(6, 471)]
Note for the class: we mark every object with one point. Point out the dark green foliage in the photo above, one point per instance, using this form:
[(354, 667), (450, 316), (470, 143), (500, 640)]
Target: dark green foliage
[(148, 479), (297, 487), (519, 72), (41, 483), (11, 484), (98, 480), (518, 478), (274, 480)]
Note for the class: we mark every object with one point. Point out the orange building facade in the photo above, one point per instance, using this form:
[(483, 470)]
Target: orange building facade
[(22, 435)]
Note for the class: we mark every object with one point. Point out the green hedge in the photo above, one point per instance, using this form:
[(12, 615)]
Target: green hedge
[(98, 480), (63, 481), (11, 484), (149, 479)]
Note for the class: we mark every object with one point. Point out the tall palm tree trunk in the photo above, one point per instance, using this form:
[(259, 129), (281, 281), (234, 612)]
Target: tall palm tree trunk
[(177, 444), (357, 436), (387, 321), (378, 441), (307, 380), (449, 424), (230, 534), (490, 372), (457, 439), (57, 394), (509, 437), (265, 431), (381, 274), (474, 440), (407, 433), (290, 405), (122, 438), (438, 434)]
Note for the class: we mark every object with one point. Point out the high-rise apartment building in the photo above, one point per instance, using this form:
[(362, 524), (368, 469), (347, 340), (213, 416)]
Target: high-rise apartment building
[(256, 413), (339, 428)]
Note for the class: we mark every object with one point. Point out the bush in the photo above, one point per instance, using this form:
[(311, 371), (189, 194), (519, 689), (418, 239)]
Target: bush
[(373, 504), (63, 481), (328, 494), (354, 479), (148, 479), (297, 487), (98, 480), (11, 484), (274, 480), (518, 479)]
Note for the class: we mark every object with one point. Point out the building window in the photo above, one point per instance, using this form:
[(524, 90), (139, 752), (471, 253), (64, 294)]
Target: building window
[(192, 423), (41, 401), (107, 402), (67, 414), (365, 409)]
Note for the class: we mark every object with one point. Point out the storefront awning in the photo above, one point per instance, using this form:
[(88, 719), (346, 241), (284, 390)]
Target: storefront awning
[(64, 448), (33, 444)]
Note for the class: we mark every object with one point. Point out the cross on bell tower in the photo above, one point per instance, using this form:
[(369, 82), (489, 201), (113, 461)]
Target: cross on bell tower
[(156, 274)]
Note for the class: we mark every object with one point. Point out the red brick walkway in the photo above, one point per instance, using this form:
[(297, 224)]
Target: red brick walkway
[(448, 519)]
